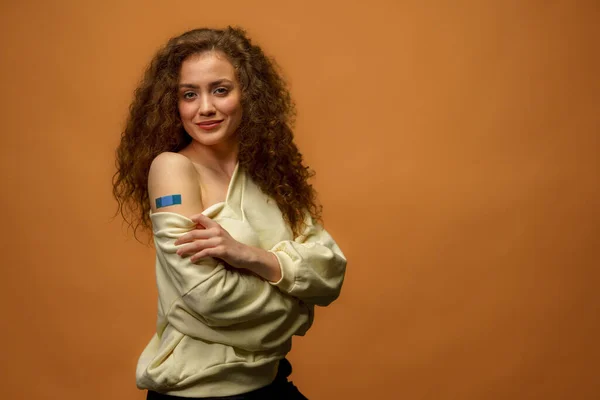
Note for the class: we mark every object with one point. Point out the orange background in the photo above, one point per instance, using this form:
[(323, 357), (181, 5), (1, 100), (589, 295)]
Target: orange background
[(456, 148)]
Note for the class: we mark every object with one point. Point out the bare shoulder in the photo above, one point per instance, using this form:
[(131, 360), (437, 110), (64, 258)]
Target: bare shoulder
[(173, 184), (167, 162)]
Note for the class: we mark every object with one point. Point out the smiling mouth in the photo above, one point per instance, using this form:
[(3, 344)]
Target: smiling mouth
[(209, 125)]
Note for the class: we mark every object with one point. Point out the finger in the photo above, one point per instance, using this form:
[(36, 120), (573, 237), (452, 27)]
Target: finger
[(196, 246), (204, 221), (184, 251), (194, 235), (199, 245), (200, 255), (209, 252)]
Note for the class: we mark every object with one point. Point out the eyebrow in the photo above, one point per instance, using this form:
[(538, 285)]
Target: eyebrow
[(215, 83)]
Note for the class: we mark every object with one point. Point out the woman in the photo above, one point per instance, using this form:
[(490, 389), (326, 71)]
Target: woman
[(207, 162)]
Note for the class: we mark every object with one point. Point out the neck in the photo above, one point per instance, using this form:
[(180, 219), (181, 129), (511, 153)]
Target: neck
[(219, 158)]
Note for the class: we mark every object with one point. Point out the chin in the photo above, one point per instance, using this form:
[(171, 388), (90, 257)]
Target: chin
[(211, 138)]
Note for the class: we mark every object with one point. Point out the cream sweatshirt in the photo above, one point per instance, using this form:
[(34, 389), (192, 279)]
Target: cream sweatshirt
[(221, 331)]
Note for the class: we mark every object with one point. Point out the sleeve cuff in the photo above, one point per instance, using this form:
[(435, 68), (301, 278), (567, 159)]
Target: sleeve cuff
[(288, 277)]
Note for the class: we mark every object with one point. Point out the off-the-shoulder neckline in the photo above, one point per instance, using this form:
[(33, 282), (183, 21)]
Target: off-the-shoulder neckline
[(210, 209)]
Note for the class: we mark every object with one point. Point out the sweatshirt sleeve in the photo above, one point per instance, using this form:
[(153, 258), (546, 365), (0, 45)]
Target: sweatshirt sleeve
[(312, 266), (223, 298)]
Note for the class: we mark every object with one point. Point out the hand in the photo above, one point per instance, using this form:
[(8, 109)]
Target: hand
[(211, 240)]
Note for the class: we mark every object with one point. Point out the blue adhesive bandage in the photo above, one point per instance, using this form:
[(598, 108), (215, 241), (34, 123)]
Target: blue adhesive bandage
[(168, 200)]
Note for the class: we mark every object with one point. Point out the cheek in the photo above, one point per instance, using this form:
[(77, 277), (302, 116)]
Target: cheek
[(232, 106), (185, 111)]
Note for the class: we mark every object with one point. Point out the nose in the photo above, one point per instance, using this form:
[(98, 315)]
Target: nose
[(206, 106)]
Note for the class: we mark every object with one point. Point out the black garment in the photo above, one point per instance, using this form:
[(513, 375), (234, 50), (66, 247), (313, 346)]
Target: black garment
[(280, 389)]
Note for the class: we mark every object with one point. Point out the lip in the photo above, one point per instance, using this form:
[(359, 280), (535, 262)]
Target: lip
[(209, 125)]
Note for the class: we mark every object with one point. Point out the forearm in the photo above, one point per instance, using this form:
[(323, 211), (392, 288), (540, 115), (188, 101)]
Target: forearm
[(312, 267), (264, 264), (221, 295), (242, 310)]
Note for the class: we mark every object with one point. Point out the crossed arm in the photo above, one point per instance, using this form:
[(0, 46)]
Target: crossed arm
[(310, 268)]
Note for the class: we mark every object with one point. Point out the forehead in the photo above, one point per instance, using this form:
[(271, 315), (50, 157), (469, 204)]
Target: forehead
[(206, 67)]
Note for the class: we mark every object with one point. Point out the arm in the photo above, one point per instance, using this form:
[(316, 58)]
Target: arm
[(312, 266), (211, 301), (210, 290)]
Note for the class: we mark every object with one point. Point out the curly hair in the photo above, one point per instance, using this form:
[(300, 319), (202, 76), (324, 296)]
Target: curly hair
[(266, 147)]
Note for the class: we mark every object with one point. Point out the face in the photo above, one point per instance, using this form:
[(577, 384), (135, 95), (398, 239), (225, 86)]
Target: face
[(209, 98)]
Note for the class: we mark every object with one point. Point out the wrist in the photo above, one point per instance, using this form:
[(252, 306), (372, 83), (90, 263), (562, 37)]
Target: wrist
[(265, 264)]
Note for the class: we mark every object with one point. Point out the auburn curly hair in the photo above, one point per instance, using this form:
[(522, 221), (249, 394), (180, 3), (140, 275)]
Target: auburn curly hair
[(266, 147)]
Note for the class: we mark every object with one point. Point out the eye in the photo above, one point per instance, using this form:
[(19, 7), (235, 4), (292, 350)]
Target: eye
[(188, 95), (221, 91)]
